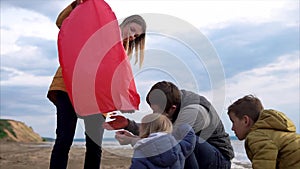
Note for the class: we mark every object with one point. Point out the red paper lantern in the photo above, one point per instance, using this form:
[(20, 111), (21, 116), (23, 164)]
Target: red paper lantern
[(95, 67)]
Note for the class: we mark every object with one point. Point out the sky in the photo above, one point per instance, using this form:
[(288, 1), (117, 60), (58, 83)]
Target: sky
[(222, 50)]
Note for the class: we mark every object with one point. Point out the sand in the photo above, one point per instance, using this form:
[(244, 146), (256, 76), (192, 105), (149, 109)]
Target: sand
[(37, 156)]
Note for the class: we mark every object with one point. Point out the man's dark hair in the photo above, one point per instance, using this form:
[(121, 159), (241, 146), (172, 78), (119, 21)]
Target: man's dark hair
[(165, 95)]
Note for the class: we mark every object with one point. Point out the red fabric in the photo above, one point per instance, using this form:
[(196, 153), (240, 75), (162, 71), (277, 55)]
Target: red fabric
[(95, 67)]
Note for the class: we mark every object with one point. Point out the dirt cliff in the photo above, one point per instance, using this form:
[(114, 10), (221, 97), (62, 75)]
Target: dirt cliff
[(11, 130)]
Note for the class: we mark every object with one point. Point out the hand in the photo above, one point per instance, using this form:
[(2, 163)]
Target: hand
[(80, 1), (119, 122), (125, 137)]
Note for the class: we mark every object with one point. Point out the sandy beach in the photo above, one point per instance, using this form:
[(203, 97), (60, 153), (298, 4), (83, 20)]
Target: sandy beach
[(37, 155)]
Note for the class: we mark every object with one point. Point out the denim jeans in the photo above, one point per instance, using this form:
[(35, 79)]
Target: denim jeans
[(191, 162), (207, 157), (65, 130)]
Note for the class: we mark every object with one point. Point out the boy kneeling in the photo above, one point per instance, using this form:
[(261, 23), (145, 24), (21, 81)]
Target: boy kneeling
[(270, 137)]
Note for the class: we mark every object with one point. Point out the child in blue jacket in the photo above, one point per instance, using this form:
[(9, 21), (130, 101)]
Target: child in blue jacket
[(159, 147)]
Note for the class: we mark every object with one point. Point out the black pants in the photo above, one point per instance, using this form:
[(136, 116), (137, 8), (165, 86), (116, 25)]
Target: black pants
[(66, 125)]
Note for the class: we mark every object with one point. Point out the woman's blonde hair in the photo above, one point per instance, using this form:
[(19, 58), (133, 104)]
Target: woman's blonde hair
[(153, 123), (139, 43)]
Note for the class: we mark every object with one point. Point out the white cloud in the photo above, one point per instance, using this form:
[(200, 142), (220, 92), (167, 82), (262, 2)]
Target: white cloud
[(279, 79), (30, 58), (209, 14), (276, 85), (19, 78), (17, 22)]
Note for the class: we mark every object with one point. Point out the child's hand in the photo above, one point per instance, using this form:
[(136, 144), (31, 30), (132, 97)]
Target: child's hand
[(125, 137)]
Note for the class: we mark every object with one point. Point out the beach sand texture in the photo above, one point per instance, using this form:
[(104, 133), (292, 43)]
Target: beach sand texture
[(37, 156)]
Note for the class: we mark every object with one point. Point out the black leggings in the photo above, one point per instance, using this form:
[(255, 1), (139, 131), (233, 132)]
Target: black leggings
[(66, 125)]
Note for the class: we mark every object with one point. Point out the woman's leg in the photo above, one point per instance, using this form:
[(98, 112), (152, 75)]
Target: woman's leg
[(93, 137), (65, 130)]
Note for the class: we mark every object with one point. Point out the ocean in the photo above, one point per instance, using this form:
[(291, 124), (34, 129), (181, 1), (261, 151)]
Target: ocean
[(240, 161)]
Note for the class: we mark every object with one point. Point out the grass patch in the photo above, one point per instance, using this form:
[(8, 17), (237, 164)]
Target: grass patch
[(4, 124)]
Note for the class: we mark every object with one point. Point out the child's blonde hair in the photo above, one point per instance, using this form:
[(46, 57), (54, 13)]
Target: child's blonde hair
[(153, 123)]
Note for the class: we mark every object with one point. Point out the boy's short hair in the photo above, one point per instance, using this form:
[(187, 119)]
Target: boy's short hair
[(153, 123), (164, 94), (248, 105)]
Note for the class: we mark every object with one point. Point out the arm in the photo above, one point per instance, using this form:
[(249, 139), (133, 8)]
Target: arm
[(195, 115), (261, 150), (133, 127), (186, 137), (121, 122), (124, 137), (65, 13)]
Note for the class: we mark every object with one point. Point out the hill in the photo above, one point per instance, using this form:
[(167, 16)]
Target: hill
[(11, 130)]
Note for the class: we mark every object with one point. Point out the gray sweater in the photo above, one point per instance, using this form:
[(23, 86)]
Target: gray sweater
[(197, 111)]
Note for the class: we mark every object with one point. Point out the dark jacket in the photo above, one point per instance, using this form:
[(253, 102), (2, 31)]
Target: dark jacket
[(161, 150)]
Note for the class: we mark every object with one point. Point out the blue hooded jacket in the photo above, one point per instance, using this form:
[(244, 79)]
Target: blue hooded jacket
[(163, 151)]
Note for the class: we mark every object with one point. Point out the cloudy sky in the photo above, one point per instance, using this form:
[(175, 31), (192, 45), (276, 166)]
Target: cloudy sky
[(220, 49)]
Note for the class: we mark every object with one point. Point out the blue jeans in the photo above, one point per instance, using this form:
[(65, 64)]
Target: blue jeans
[(65, 130), (206, 156)]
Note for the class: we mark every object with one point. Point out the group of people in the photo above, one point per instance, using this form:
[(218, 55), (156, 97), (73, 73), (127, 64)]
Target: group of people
[(184, 130)]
